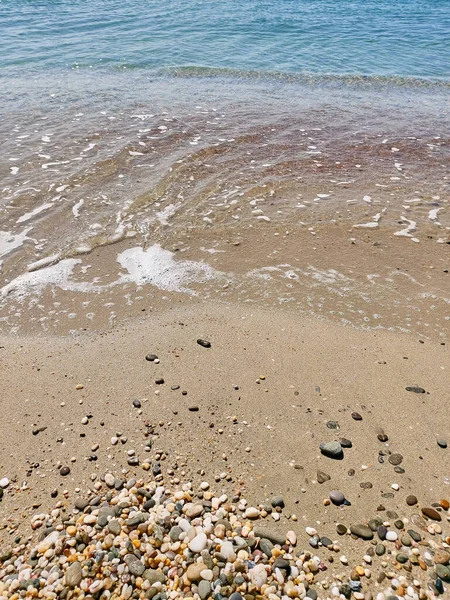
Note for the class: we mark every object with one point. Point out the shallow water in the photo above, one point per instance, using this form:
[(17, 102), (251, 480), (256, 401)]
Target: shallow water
[(195, 145), (407, 38)]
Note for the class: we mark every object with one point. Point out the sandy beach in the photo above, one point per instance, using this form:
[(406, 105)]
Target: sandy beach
[(246, 415)]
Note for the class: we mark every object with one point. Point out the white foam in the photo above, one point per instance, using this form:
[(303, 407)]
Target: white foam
[(433, 215), (10, 241), (76, 208), (159, 268), (35, 282), (29, 215), (407, 232), (372, 224)]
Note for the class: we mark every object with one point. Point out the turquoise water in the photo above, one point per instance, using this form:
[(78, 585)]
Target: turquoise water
[(405, 38)]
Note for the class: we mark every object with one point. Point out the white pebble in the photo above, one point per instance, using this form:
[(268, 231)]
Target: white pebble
[(198, 543), (311, 531), (395, 487), (4, 482), (391, 536)]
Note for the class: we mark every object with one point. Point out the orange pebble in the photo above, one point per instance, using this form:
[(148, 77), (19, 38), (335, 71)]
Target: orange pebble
[(444, 503)]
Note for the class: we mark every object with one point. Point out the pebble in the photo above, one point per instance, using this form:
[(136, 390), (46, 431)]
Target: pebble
[(198, 543), (204, 343), (74, 575), (416, 389), (362, 531), (411, 500), (252, 513), (4, 482), (442, 443), (322, 477), (337, 497), (431, 513), (395, 459), (110, 480), (331, 449), (341, 529), (356, 416), (277, 502), (137, 404), (151, 357), (391, 536), (64, 471)]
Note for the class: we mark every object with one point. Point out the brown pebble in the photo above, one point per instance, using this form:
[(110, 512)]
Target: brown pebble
[(64, 471), (356, 416), (444, 503), (431, 513), (411, 500)]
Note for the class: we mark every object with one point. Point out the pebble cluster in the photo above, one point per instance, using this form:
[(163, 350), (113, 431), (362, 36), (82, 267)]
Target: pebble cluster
[(146, 541)]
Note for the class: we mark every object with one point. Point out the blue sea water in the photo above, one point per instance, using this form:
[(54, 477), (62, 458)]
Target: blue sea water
[(400, 38)]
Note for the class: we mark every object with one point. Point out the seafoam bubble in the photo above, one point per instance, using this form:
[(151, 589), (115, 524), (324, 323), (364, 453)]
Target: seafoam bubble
[(154, 266), (159, 268)]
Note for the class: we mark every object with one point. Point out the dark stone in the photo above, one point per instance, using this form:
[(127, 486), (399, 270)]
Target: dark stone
[(159, 381), (362, 531), (326, 541), (431, 513), (137, 404), (366, 485), (382, 531), (345, 443), (332, 450), (356, 416), (322, 477), (193, 408), (341, 529), (442, 443), (277, 502), (204, 343), (64, 471), (414, 535), (151, 357), (395, 459), (333, 425), (415, 389)]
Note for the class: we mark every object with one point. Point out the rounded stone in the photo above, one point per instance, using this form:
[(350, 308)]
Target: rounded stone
[(442, 443), (337, 497), (395, 459), (411, 500), (356, 416), (64, 471), (277, 502), (204, 343), (380, 549), (204, 589), (341, 529), (431, 513), (362, 531), (331, 449)]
